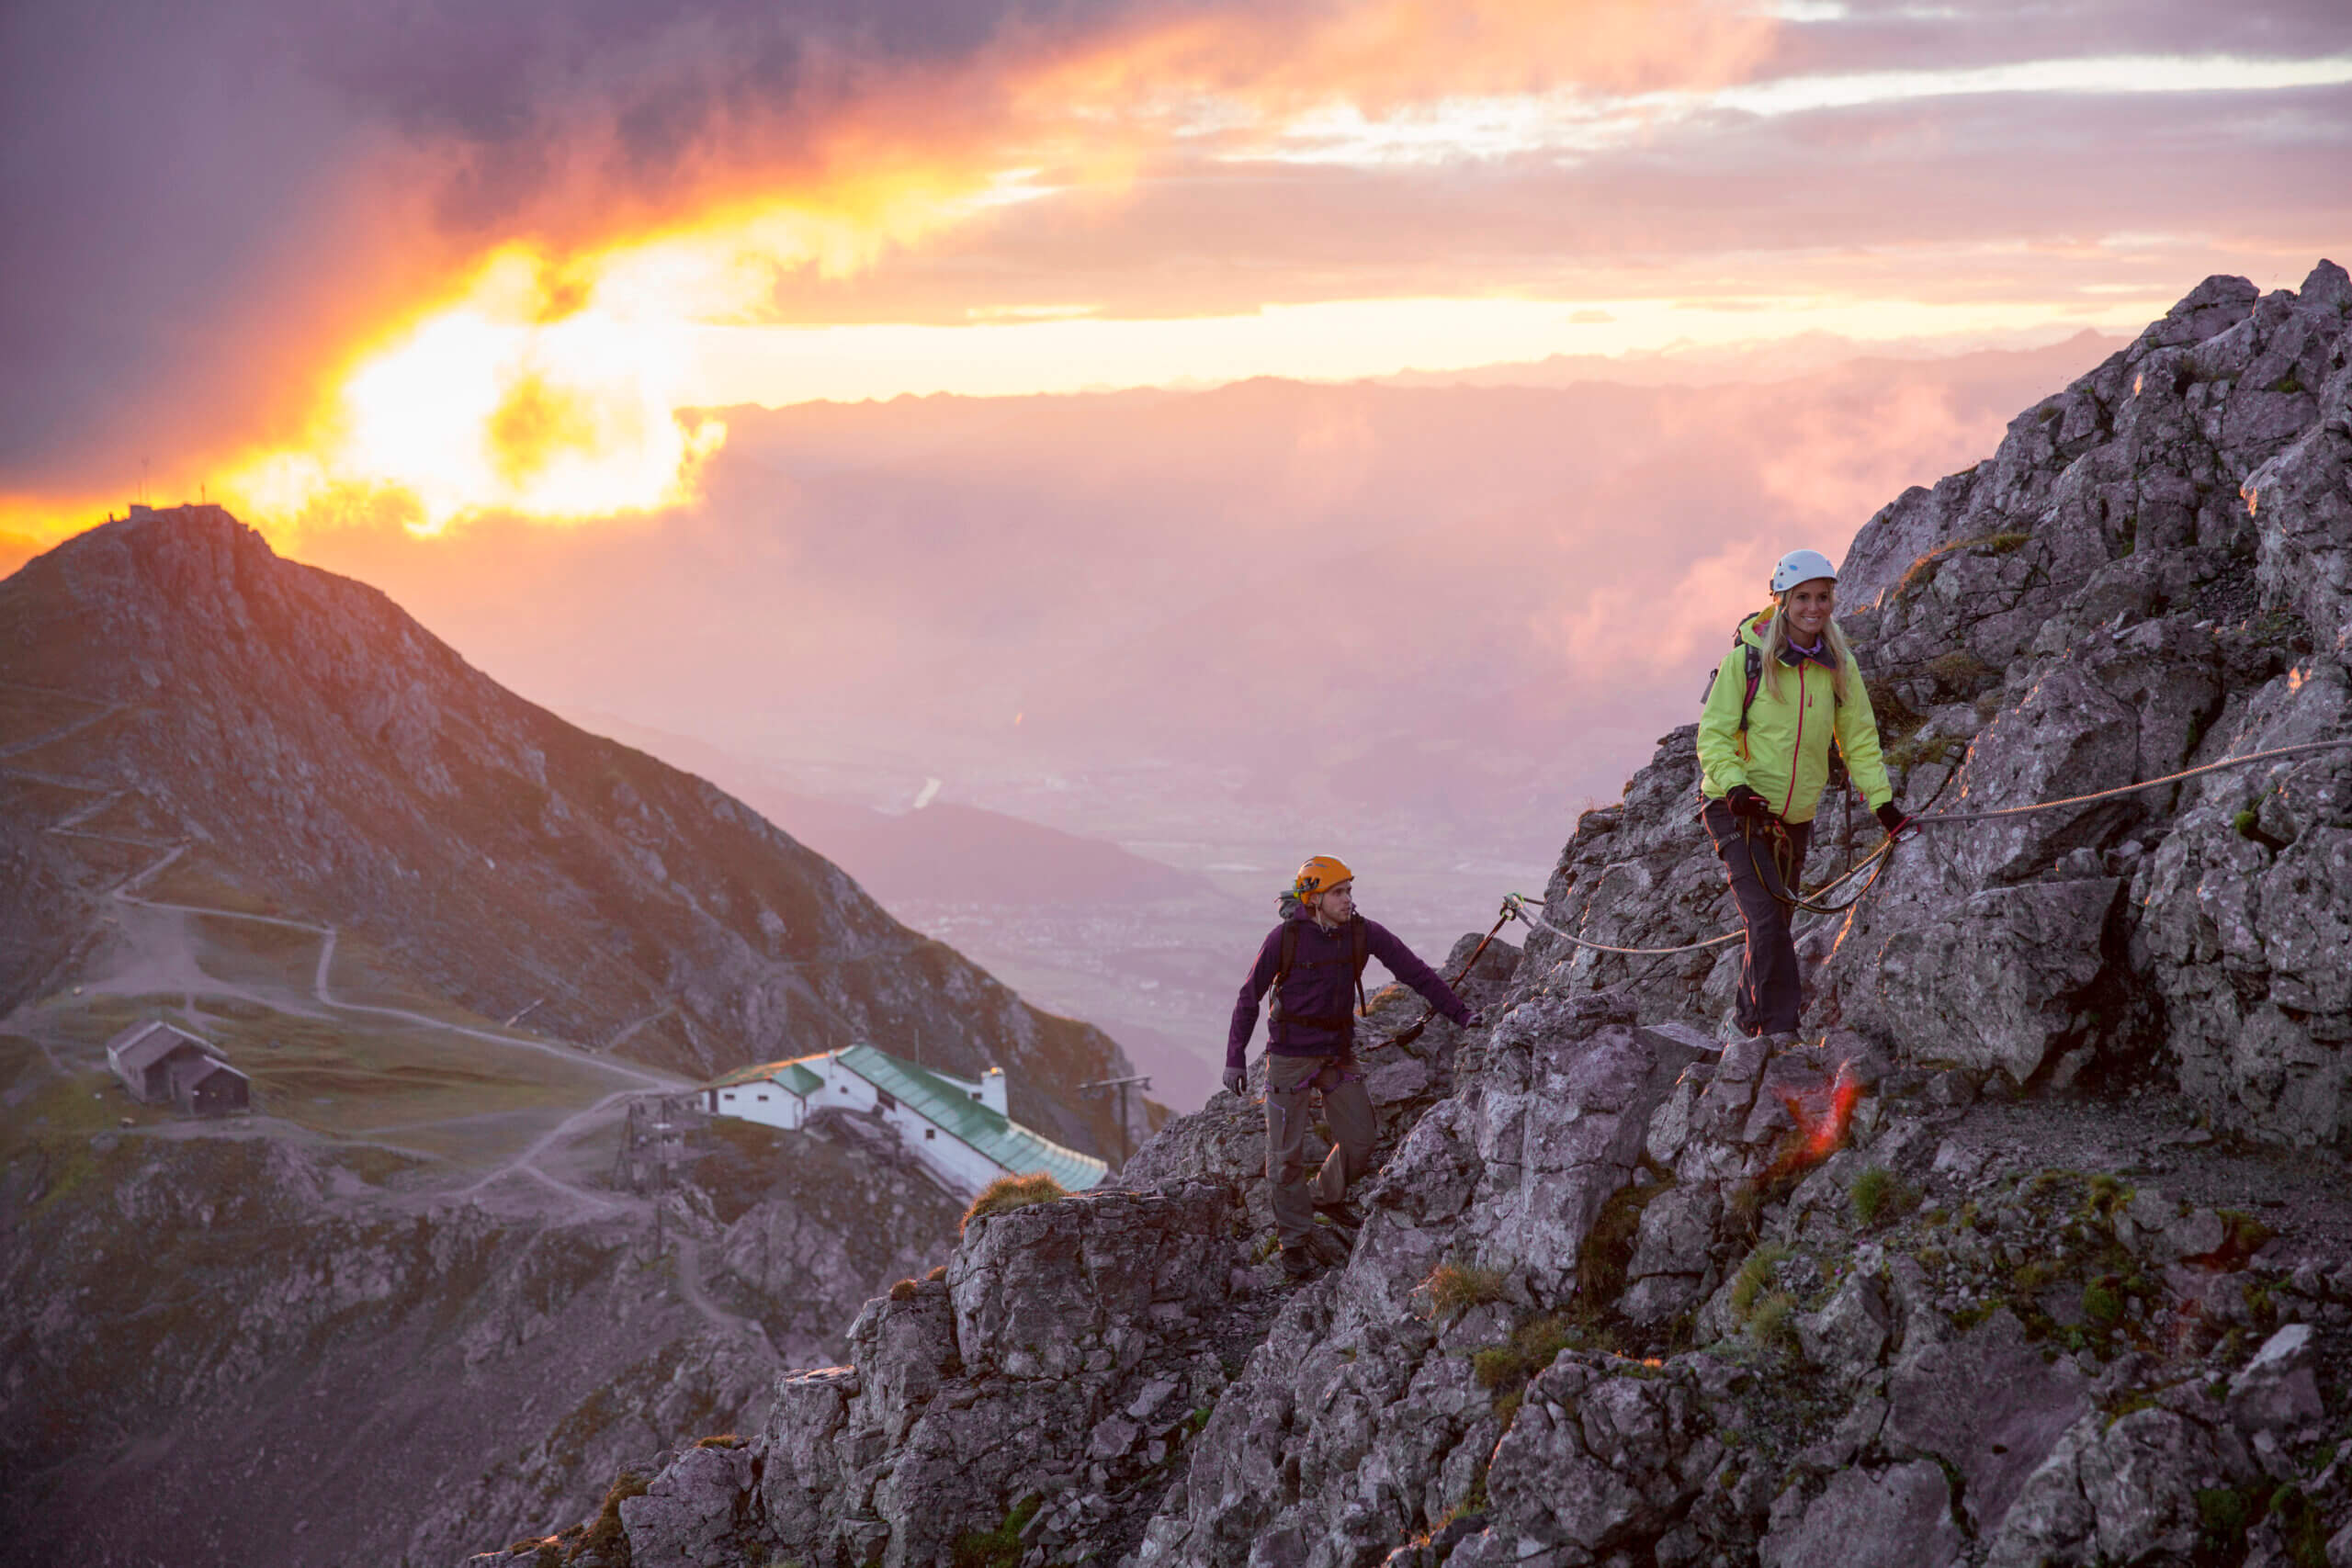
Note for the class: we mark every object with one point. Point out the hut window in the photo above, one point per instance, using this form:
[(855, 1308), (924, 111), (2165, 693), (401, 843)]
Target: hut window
[(931, 1131)]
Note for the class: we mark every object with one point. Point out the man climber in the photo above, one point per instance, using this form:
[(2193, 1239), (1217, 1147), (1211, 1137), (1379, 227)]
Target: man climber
[(1314, 964)]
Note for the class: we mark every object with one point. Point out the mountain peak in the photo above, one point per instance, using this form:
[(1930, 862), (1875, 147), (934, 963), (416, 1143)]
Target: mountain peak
[(314, 752)]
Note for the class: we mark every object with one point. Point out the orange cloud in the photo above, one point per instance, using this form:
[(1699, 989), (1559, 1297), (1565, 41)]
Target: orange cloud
[(504, 323), (1389, 54)]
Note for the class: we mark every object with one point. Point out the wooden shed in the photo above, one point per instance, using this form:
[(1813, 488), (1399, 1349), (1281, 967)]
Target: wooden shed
[(162, 1064)]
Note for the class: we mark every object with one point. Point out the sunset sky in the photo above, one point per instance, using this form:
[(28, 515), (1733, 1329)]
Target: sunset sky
[(434, 262)]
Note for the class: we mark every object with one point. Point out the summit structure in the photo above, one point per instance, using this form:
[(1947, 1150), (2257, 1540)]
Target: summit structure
[(955, 1128)]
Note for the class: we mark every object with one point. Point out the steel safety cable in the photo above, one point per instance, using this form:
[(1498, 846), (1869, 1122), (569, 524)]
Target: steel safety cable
[(2276, 752), (1412, 1030), (1517, 903)]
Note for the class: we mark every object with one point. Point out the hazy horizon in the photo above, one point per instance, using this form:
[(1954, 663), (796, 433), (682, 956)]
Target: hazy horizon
[(1221, 630)]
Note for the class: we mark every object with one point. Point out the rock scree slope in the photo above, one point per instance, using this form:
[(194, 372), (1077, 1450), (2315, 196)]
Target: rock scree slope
[(2037, 1251)]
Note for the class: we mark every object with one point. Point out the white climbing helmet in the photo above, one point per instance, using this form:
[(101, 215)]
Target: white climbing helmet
[(1800, 566)]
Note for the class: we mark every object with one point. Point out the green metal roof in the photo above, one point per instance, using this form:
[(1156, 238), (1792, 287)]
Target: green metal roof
[(790, 1074), (956, 1113)]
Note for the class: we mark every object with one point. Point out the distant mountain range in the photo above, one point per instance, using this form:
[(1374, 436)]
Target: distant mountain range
[(184, 707), (943, 852)]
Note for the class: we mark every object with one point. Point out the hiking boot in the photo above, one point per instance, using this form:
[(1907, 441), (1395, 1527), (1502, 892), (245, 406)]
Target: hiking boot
[(1342, 1213), (1298, 1263), (1329, 1246)]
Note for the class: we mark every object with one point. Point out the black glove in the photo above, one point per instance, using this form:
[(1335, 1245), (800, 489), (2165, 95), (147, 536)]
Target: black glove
[(1236, 1079), (1745, 801), (1891, 818)]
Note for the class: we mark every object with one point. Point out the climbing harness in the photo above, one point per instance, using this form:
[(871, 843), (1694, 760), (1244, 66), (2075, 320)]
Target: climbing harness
[(1883, 855), (1517, 905)]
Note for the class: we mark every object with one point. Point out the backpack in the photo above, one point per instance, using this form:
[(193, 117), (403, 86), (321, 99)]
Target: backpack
[(1362, 954), (1753, 665)]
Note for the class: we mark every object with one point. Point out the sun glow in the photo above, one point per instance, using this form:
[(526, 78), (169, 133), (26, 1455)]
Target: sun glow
[(556, 387)]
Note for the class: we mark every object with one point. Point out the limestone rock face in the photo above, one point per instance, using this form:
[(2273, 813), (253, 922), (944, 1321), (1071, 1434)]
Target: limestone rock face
[(1597, 1460), (2247, 927), (1997, 981), (1054, 1290), (1987, 1404), (1899, 1515), (1068, 1341), (2149, 575)]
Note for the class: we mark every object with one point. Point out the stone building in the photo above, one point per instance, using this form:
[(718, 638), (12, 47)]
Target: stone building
[(957, 1128)]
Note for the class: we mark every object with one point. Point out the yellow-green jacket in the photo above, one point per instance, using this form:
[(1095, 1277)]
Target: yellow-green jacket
[(1786, 755)]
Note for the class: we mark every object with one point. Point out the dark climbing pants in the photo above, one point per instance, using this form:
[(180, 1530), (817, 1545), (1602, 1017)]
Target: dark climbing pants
[(1768, 1001), (1291, 1082)]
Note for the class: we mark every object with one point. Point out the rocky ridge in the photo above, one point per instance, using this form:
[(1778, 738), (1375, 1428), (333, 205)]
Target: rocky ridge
[(2035, 1252)]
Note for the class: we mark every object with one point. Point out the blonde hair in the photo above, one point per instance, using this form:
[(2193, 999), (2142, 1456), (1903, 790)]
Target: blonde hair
[(1776, 643)]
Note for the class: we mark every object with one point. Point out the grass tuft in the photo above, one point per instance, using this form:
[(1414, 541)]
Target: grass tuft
[(2105, 1197), (1010, 1192), (1755, 1279), (604, 1535), (1506, 1370), (999, 1548), (1915, 751), (1772, 1324), (1897, 720), (1455, 1288), (2102, 1305), (1963, 674), (1923, 571), (1607, 1249), (1878, 1194)]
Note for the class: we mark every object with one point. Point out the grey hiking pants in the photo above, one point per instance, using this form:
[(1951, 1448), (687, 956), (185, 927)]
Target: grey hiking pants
[(1768, 1001), (1291, 1082)]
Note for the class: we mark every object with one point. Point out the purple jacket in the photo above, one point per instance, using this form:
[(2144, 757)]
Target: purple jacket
[(1319, 997)]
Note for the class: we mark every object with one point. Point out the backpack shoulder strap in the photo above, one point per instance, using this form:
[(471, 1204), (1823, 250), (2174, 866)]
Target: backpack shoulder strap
[(1754, 667), (1362, 938), (1282, 973)]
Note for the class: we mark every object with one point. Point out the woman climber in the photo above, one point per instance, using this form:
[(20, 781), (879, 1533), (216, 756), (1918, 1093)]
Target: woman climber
[(1789, 686)]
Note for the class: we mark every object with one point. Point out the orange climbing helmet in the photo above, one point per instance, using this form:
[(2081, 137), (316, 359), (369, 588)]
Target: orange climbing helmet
[(1319, 874)]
